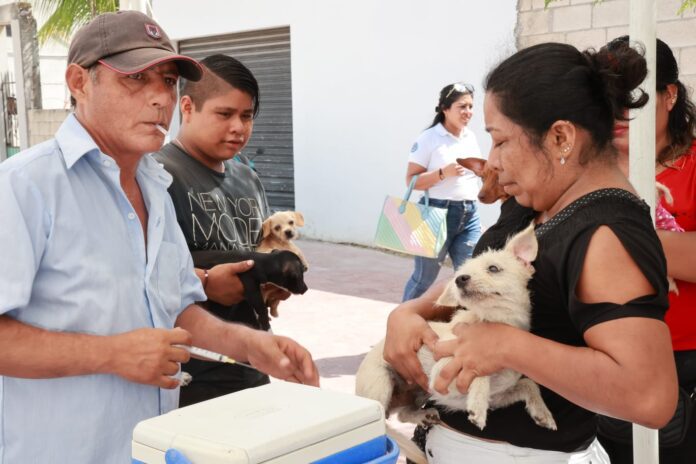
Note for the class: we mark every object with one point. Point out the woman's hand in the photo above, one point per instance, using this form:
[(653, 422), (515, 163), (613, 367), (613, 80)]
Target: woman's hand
[(407, 331), (477, 351), (453, 170)]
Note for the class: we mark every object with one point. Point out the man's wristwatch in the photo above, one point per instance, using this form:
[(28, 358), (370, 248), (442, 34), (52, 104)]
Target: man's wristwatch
[(442, 175)]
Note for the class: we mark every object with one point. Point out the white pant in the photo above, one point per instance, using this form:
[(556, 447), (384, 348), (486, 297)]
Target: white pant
[(445, 446)]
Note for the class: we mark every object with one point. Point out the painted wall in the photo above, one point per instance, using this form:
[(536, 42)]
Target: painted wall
[(366, 76)]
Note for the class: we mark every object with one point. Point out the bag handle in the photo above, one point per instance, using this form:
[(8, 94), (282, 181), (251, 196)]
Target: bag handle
[(412, 184)]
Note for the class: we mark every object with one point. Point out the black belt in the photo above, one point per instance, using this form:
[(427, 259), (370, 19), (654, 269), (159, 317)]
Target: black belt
[(453, 202)]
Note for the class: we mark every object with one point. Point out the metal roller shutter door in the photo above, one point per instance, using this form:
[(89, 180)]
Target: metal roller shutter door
[(267, 54)]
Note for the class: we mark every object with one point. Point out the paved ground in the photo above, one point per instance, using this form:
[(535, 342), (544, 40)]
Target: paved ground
[(352, 291)]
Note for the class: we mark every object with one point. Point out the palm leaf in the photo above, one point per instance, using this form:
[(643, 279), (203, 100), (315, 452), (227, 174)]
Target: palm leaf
[(66, 16), (687, 4)]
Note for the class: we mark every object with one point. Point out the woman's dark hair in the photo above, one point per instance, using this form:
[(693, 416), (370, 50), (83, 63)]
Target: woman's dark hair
[(681, 124), (448, 95), (545, 83), (230, 70)]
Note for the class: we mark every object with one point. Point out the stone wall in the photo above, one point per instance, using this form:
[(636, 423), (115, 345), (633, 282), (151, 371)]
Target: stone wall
[(43, 124), (586, 23)]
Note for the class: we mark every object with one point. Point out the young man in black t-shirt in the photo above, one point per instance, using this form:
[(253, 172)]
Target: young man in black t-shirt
[(220, 204)]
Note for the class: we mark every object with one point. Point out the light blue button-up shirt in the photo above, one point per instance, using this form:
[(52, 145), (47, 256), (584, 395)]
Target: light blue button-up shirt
[(73, 259)]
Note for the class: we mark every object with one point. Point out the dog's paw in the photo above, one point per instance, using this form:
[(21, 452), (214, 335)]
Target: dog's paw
[(185, 379), (430, 417), (541, 415), (424, 417), (546, 421), (478, 418), (672, 285)]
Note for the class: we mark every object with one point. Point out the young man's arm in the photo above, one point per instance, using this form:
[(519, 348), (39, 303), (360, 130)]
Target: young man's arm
[(221, 284)]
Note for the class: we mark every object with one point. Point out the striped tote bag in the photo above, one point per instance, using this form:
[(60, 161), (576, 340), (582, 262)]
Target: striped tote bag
[(411, 228)]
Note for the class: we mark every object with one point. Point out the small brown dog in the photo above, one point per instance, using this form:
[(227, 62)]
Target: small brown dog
[(277, 232), (491, 189)]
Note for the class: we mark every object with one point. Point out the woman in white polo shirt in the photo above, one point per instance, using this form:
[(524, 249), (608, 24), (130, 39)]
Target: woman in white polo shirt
[(434, 159)]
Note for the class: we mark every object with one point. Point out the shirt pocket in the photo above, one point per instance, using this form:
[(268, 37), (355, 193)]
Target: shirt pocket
[(166, 276)]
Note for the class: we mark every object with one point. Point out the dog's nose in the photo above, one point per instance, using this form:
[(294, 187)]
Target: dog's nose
[(288, 233), (462, 280)]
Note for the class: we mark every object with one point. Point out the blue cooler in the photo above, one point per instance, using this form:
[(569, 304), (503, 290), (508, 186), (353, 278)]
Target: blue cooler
[(278, 423)]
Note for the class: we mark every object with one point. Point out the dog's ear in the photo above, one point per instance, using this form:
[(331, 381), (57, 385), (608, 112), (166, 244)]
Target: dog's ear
[(524, 245), (266, 228), (299, 219), (474, 164)]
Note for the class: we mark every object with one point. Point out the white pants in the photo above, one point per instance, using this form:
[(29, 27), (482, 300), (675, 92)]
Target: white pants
[(445, 446)]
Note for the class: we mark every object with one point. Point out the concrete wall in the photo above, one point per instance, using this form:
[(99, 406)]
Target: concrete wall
[(43, 124), (365, 79), (53, 59), (585, 23)]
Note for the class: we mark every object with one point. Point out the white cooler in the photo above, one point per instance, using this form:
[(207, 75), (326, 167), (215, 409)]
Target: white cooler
[(278, 423)]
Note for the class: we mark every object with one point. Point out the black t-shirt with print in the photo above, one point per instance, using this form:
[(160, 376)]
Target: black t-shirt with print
[(558, 315), (217, 211)]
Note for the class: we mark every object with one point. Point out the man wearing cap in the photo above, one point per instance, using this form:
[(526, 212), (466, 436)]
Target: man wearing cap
[(97, 287)]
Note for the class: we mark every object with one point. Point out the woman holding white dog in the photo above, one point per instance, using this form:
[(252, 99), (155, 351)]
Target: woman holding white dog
[(433, 159), (598, 342)]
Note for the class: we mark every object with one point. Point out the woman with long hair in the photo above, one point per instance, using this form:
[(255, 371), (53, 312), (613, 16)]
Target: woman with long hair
[(433, 159)]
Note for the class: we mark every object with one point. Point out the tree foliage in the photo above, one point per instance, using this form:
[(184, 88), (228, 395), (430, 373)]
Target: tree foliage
[(686, 4), (66, 16)]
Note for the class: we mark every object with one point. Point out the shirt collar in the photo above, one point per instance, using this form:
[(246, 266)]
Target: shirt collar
[(440, 129), (155, 170), (75, 142)]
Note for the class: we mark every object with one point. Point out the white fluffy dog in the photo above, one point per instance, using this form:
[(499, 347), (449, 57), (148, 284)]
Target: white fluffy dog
[(489, 288)]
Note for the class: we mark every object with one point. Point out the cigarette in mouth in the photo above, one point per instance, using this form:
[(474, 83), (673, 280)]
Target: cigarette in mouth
[(161, 129)]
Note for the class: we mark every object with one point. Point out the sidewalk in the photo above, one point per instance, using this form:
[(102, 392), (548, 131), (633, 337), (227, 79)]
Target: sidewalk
[(351, 292)]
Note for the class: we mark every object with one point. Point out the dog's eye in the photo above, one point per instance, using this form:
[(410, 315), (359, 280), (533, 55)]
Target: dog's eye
[(276, 228), (493, 268), (292, 223)]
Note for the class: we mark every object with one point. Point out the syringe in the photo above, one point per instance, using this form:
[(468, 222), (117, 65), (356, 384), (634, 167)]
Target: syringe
[(213, 356)]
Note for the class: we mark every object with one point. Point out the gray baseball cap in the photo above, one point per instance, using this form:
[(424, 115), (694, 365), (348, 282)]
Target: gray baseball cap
[(128, 42)]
